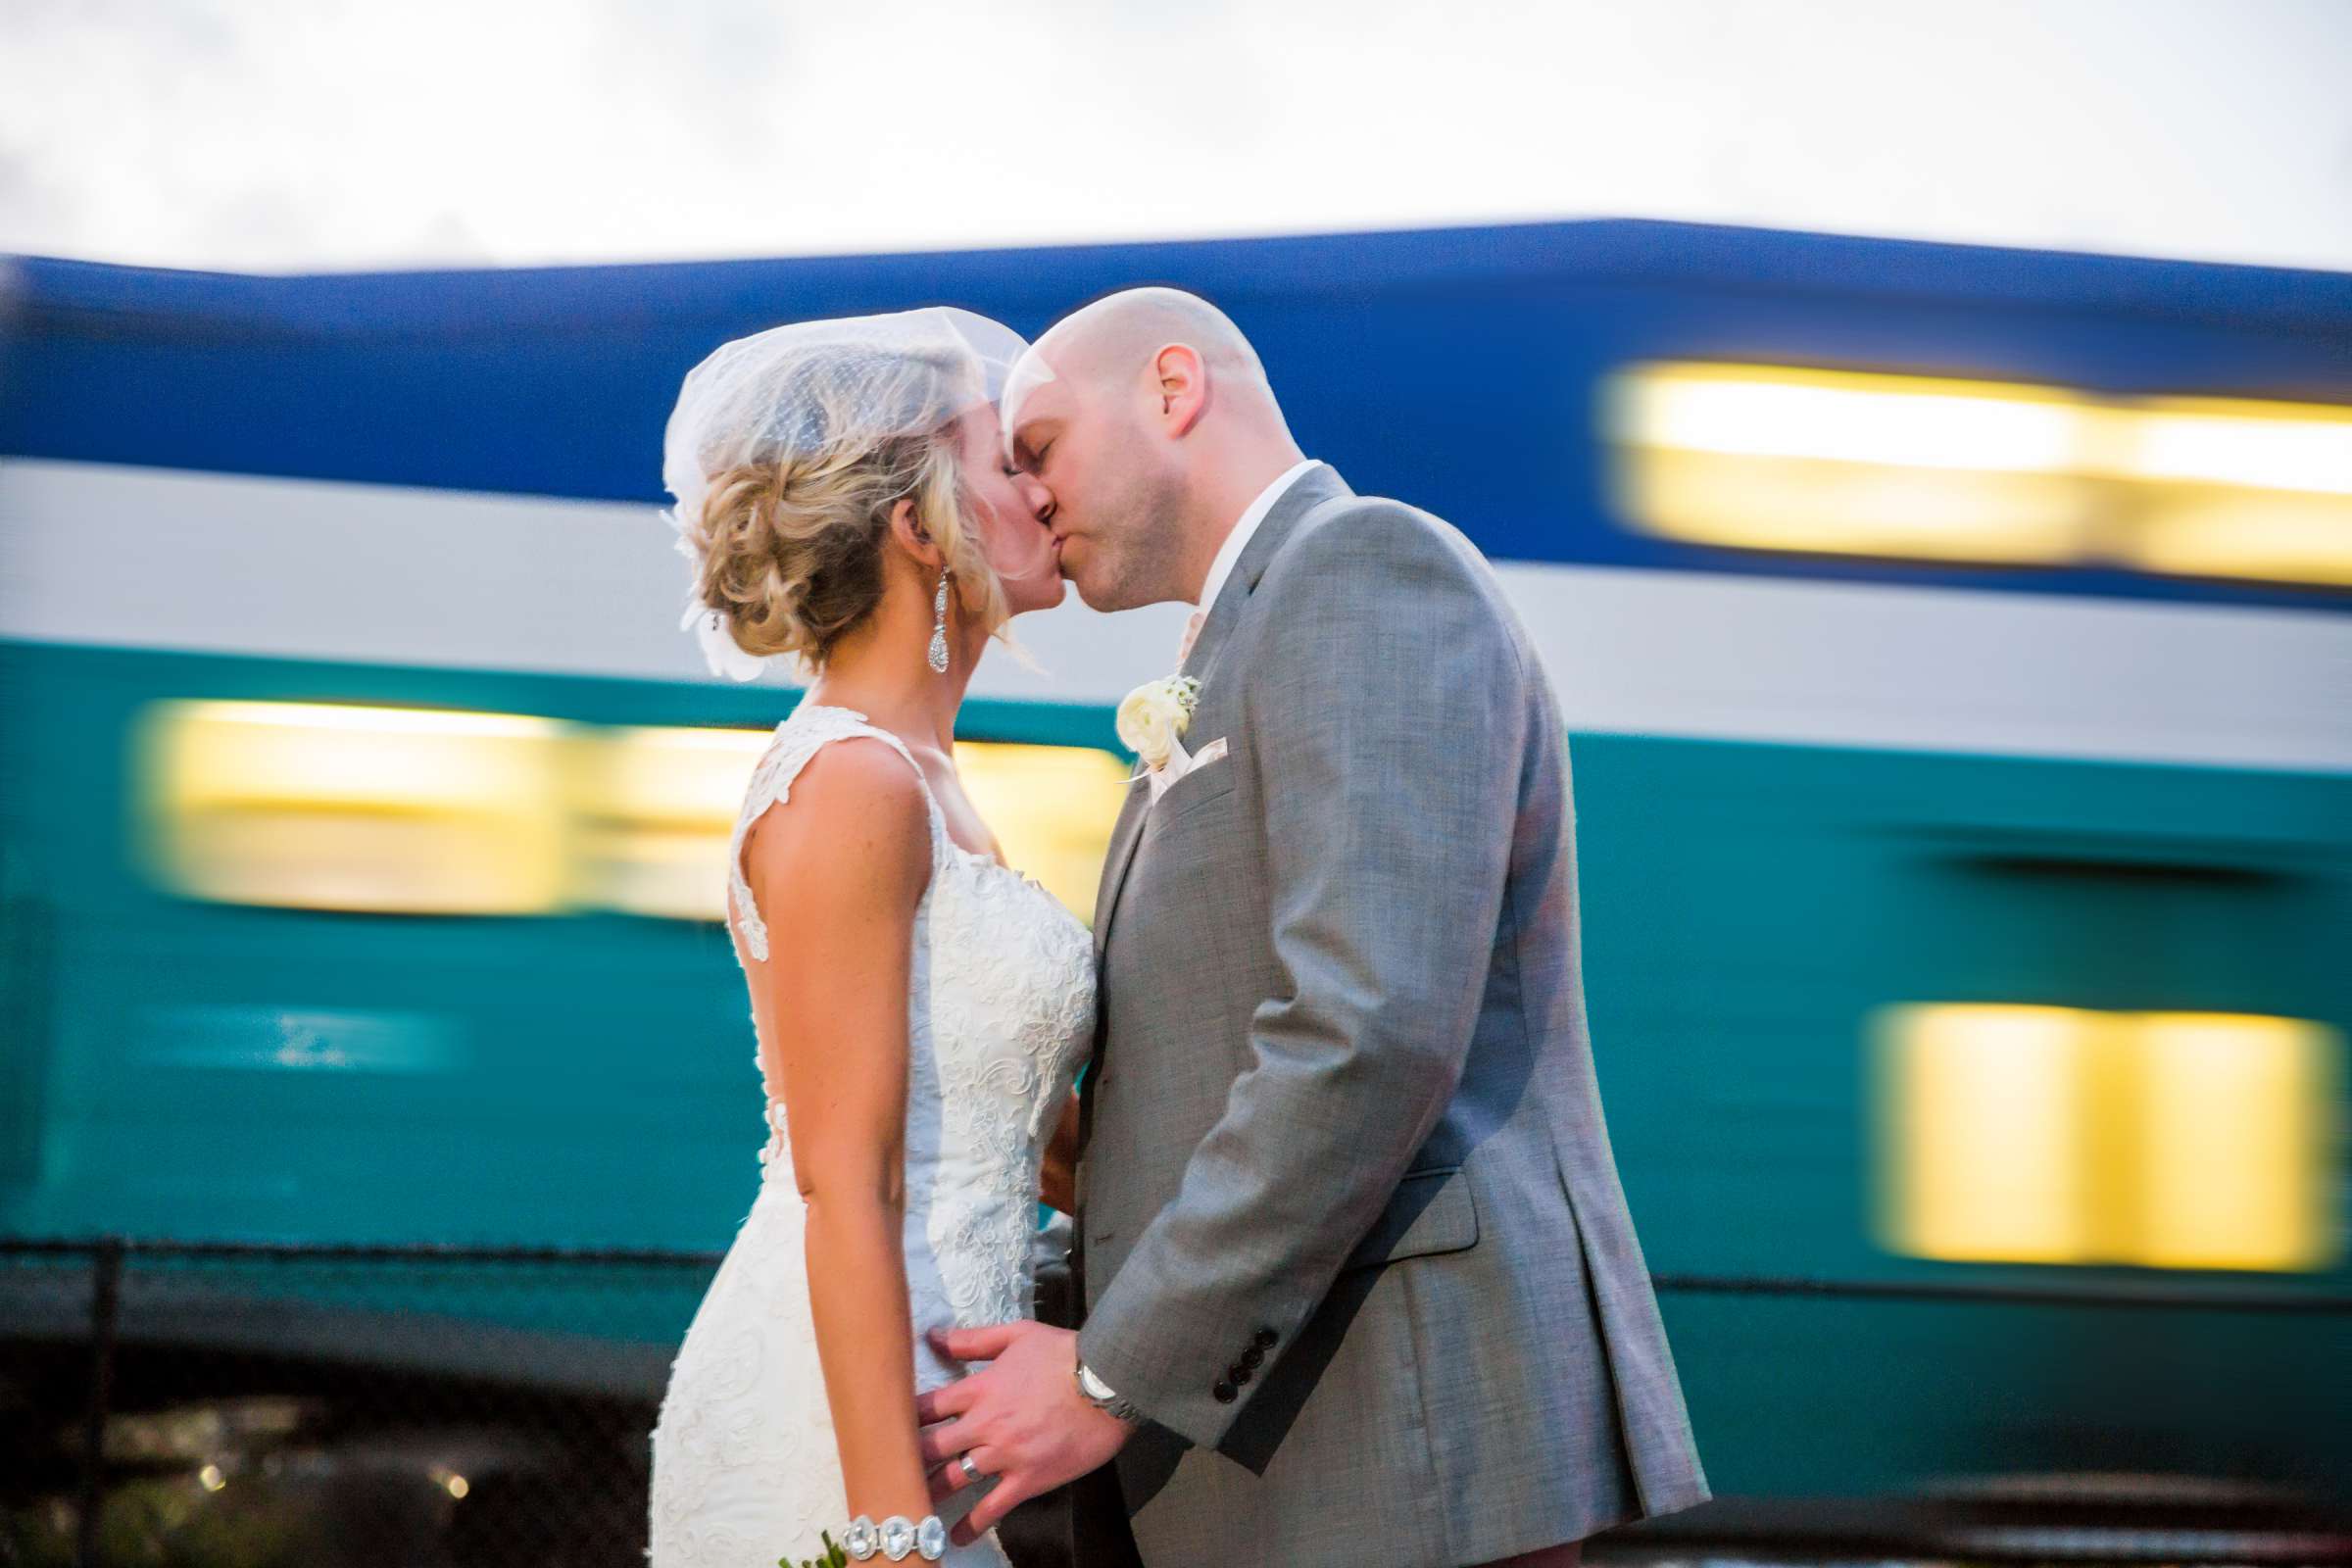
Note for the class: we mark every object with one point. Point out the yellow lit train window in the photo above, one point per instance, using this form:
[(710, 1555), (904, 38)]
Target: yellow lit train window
[(1762, 456), (660, 806), (1053, 809), (2232, 1155), (324, 807), (2239, 489), (1771, 457), (657, 806), (2061, 1135)]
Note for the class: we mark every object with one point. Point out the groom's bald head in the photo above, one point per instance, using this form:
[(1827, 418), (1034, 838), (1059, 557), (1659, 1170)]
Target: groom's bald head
[(1145, 412), (1120, 333)]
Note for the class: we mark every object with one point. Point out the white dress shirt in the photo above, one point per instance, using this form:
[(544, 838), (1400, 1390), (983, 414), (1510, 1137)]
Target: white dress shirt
[(1231, 550), (1239, 540)]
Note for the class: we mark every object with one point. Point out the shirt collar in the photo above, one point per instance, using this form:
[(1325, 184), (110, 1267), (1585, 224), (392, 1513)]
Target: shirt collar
[(1231, 550)]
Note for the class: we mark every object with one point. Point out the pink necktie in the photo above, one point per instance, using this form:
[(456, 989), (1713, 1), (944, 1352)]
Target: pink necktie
[(1192, 631)]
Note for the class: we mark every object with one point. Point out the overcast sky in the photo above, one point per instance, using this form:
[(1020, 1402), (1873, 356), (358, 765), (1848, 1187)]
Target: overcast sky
[(294, 134)]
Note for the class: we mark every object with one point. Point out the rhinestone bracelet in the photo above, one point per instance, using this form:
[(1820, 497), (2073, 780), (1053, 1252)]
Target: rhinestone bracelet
[(896, 1538)]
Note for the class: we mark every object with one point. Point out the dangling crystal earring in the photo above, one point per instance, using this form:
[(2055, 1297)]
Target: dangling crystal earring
[(938, 629)]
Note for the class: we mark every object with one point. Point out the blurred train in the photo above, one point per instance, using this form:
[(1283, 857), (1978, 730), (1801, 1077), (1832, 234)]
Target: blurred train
[(1956, 646)]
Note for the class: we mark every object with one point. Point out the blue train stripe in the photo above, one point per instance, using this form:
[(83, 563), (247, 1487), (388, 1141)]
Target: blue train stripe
[(1458, 369)]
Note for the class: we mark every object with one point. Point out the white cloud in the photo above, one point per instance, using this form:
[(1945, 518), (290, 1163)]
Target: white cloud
[(296, 133)]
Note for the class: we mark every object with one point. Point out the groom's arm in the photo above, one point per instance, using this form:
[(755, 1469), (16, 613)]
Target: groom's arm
[(1385, 712)]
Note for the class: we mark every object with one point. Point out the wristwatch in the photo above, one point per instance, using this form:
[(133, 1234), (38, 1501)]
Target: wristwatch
[(1096, 1393)]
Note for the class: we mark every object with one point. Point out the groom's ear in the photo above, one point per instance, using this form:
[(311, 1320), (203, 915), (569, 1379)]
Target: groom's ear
[(907, 530), (1183, 383)]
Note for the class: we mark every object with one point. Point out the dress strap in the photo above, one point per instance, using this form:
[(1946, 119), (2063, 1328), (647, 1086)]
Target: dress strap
[(797, 739)]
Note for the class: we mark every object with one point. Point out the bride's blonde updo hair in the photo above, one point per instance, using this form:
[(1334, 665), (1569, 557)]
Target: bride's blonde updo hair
[(789, 450)]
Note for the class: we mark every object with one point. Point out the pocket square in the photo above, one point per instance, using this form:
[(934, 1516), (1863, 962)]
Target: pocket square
[(1182, 765)]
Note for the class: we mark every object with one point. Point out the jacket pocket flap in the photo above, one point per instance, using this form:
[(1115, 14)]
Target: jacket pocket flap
[(1193, 788), (1432, 1212)]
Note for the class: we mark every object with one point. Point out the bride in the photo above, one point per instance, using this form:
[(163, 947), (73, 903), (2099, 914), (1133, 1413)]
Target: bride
[(921, 1007)]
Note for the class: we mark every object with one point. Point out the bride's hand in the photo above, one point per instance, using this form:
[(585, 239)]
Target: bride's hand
[(1058, 1182)]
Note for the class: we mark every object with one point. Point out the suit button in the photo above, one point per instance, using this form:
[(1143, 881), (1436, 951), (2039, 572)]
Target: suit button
[(1240, 1376), (1225, 1394), (1254, 1358), (1265, 1339)]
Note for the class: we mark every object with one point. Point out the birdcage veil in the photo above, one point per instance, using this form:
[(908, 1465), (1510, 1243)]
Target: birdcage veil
[(802, 391)]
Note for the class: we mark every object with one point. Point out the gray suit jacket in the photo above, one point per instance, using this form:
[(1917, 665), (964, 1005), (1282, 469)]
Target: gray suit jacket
[(1349, 1229)]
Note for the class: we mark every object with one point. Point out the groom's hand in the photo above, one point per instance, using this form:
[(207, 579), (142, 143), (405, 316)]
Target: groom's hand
[(1021, 1419)]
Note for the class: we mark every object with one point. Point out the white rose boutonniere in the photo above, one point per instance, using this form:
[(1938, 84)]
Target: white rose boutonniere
[(1153, 715)]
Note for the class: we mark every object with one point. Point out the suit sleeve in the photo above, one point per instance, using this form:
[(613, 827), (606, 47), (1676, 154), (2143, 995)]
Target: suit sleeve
[(1386, 711)]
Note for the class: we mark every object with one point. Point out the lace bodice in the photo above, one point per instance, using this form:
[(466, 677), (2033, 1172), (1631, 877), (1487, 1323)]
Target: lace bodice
[(1003, 992), (1000, 1011)]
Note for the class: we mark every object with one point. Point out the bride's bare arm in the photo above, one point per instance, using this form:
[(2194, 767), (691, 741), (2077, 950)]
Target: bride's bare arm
[(1058, 1182), (838, 874)]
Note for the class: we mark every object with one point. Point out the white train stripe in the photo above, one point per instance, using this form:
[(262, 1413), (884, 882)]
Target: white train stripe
[(123, 557)]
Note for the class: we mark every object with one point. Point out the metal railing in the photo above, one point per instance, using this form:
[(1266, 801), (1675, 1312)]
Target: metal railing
[(208, 1403)]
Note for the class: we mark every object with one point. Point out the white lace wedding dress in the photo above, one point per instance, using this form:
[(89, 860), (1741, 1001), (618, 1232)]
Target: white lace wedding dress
[(1002, 1010)]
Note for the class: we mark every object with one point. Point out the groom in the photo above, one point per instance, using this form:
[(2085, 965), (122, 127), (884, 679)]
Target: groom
[(1359, 1281)]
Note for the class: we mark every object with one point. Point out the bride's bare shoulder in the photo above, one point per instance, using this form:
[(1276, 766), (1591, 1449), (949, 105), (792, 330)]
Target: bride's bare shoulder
[(856, 815)]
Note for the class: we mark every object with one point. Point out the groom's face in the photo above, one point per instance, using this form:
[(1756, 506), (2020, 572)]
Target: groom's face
[(1116, 489)]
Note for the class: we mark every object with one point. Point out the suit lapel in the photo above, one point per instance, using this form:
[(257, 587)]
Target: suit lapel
[(1309, 491), (1123, 836)]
